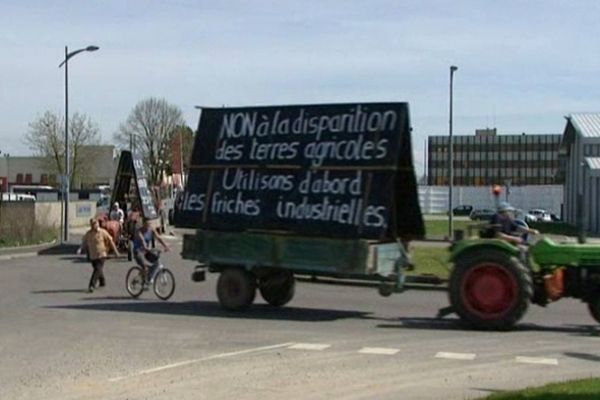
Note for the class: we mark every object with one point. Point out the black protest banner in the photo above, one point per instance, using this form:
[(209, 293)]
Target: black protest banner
[(131, 167), (340, 170)]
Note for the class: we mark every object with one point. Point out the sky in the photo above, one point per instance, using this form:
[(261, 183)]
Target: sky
[(522, 65)]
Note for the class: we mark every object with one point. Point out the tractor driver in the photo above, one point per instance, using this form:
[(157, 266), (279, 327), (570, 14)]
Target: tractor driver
[(506, 228)]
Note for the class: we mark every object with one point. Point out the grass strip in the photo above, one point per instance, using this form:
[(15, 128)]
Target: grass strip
[(431, 261), (583, 389)]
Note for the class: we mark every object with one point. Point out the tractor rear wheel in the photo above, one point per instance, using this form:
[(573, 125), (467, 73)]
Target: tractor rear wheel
[(277, 289), (490, 290), (594, 305)]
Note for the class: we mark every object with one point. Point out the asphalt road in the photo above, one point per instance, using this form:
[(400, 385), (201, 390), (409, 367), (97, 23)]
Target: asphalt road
[(332, 341)]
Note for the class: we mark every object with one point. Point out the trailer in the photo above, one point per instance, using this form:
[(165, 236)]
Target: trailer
[(315, 190), (267, 262)]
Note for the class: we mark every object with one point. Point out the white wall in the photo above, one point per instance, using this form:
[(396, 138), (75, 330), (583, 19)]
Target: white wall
[(434, 199), (80, 212)]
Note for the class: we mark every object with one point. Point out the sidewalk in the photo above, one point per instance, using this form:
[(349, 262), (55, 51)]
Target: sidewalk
[(9, 253)]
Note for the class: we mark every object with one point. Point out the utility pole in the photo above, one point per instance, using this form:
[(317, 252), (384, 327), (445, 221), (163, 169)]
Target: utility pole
[(453, 69)]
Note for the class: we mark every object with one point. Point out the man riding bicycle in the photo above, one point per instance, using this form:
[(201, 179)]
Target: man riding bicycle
[(142, 248)]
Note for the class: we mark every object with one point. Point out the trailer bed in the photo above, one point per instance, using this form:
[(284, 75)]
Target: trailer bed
[(345, 258)]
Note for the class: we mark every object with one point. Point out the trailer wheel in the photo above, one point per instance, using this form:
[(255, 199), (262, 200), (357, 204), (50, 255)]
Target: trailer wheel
[(490, 290), (594, 305), (236, 289), (277, 289)]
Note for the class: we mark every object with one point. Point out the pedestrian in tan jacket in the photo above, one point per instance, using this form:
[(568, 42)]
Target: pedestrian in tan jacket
[(97, 242)]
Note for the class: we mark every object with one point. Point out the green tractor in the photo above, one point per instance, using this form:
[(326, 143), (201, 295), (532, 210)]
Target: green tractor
[(493, 282)]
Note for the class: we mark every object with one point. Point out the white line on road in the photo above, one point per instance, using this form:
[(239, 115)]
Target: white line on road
[(455, 356), (536, 360), (197, 360), (309, 346), (379, 350)]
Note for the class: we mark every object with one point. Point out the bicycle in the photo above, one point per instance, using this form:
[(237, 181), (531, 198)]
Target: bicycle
[(162, 279)]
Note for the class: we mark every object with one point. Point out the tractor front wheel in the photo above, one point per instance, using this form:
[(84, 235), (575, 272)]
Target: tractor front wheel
[(490, 290)]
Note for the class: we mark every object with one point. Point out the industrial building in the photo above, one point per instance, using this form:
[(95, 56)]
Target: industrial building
[(581, 150), (487, 158), (99, 166)]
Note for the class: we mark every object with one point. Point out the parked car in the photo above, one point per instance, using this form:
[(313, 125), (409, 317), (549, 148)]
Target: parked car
[(483, 214), (541, 215), (462, 210), (525, 216)]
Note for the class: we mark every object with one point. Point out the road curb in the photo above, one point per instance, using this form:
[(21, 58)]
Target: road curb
[(9, 253), (6, 257)]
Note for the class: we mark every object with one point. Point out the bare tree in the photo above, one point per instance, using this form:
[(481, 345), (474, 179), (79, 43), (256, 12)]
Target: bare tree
[(46, 138), (149, 127)]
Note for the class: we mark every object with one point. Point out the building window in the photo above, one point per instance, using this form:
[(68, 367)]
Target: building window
[(28, 179), (43, 179), (19, 179)]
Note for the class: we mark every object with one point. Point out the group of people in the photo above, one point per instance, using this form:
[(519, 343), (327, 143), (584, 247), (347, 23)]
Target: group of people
[(98, 243)]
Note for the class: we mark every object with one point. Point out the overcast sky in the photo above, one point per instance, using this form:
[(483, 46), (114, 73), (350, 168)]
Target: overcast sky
[(522, 65)]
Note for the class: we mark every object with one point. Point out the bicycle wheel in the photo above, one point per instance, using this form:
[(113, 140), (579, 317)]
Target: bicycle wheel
[(134, 283), (164, 284)]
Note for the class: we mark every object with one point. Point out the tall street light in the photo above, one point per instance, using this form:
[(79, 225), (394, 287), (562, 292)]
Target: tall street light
[(7, 156), (67, 174), (453, 69)]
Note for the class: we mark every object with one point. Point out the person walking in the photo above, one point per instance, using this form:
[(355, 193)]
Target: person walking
[(97, 242)]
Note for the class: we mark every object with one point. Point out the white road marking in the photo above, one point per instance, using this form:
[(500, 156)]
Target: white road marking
[(536, 360), (309, 346), (197, 360), (379, 350), (455, 356)]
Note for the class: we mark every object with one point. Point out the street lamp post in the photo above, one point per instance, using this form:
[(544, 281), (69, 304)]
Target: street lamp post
[(453, 69), (7, 156), (66, 176)]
